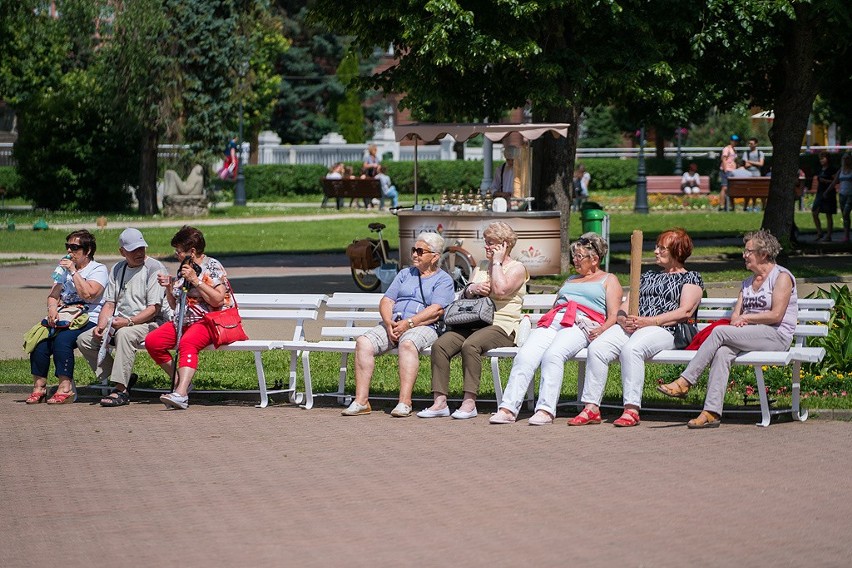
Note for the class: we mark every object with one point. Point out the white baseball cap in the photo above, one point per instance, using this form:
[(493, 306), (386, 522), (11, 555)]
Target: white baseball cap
[(131, 239)]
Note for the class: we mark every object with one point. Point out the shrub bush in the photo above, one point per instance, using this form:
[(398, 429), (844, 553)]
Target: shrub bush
[(74, 151), (9, 181)]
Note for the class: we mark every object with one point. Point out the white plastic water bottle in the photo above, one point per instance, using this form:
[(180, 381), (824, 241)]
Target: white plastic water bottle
[(59, 273), (523, 331)]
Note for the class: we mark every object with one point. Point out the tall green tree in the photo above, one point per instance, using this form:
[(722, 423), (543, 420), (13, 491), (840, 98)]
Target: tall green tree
[(779, 55), (479, 59), (350, 115)]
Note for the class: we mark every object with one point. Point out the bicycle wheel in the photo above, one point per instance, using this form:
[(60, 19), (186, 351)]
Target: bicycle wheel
[(366, 279), (459, 265)]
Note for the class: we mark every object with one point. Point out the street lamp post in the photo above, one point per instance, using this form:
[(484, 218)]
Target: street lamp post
[(240, 188), (641, 204), (679, 159)]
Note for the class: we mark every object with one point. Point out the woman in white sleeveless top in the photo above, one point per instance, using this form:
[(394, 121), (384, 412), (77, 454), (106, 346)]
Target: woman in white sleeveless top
[(763, 319)]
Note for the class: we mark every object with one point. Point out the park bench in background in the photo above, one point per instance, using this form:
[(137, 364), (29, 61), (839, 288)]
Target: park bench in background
[(671, 184), (759, 187), (340, 189)]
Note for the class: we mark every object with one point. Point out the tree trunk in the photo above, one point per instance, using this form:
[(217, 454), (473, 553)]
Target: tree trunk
[(792, 107), (147, 193), (659, 142), (553, 167)]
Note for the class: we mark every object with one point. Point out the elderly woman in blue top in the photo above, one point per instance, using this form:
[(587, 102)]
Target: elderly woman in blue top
[(666, 297), (763, 319), (410, 308)]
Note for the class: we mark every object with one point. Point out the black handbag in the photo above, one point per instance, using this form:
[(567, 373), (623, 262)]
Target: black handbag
[(467, 313), (683, 334)]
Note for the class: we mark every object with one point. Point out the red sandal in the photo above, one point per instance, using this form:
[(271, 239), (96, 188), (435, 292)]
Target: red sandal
[(585, 417), (629, 418), (37, 397), (61, 398)]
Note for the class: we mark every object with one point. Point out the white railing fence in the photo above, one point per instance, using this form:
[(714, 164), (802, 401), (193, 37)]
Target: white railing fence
[(271, 151)]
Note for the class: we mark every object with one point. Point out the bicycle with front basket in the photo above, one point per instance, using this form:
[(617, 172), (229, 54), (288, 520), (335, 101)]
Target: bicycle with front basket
[(368, 259)]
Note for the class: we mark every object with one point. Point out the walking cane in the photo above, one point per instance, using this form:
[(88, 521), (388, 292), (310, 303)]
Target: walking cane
[(181, 313)]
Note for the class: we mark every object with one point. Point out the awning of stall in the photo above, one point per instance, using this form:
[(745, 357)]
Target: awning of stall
[(429, 132)]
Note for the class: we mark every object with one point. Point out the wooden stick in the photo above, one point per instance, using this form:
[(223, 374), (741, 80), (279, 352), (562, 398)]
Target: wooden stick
[(635, 271)]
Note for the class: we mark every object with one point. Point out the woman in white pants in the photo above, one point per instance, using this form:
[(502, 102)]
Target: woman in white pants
[(666, 297), (585, 307)]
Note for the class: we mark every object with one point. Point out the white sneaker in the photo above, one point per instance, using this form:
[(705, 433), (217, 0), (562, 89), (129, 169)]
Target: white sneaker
[(401, 410), (429, 413), (174, 400), (464, 415), (356, 409)]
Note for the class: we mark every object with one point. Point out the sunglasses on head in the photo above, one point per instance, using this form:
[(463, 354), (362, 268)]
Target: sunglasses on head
[(72, 247), (419, 251), (584, 241)]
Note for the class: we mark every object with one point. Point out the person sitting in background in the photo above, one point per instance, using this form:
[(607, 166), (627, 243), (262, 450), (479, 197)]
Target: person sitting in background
[(586, 306), (335, 172), (502, 279), (690, 181), (763, 319), (388, 190), (132, 308), (666, 298), (81, 284), (411, 307)]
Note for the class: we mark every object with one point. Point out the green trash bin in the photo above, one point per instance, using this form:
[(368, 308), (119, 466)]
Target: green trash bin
[(592, 220)]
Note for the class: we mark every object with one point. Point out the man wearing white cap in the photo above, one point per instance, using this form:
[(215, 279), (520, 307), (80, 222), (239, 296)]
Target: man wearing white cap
[(133, 302)]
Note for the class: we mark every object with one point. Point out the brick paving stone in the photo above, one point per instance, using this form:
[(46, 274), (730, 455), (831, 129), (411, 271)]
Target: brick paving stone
[(232, 485)]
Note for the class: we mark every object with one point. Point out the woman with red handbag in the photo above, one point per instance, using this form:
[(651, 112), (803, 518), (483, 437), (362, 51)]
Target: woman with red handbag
[(202, 281)]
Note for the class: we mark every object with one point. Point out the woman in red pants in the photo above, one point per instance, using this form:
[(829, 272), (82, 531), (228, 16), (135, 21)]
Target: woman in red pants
[(207, 289)]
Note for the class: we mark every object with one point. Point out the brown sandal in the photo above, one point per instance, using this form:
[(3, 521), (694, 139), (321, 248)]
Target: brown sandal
[(704, 420), (673, 390)]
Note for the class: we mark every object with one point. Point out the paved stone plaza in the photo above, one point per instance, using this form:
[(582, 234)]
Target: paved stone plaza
[(232, 485)]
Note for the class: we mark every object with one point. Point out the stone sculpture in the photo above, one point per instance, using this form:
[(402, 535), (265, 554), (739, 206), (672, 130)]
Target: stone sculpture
[(185, 197)]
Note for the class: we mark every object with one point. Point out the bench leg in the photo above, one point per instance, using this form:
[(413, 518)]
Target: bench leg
[(309, 389), (798, 413), (261, 381), (764, 400), (495, 375), (295, 397), (341, 383), (581, 379)]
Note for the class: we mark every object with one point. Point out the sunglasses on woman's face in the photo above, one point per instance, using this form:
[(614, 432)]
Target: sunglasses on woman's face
[(72, 247), (419, 251)]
